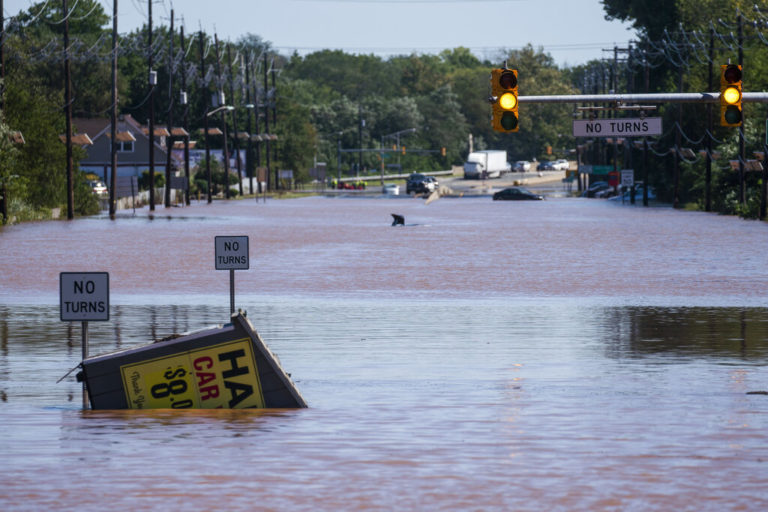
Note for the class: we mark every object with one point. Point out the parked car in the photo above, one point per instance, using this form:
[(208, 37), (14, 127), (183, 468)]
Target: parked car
[(420, 184), (522, 166), (596, 188), (560, 165), (98, 187), (516, 194)]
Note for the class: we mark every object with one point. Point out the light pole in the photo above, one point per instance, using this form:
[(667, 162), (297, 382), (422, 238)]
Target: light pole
[(222, 109), (338, 157), (397, 135)]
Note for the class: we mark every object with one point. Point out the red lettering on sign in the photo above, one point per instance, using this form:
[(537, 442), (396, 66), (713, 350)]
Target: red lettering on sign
[(201, 361), (209, 392), (204, 378)]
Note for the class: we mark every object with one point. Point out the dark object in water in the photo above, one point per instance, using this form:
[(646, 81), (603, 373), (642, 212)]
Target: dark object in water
[(398, 220), (227, 367)]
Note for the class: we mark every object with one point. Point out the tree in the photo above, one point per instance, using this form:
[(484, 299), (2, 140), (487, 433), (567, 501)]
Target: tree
[(41, 161)]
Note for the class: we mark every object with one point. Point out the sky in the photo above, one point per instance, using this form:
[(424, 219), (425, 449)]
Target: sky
[(572, 31)]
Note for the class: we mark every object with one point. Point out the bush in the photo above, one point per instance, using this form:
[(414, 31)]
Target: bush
[(86, 202), (144, 180)]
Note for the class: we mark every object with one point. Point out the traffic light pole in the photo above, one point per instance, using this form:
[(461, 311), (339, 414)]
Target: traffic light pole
[(625, 99)]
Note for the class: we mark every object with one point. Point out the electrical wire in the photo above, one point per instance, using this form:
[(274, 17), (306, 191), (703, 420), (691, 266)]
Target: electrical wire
[(66, 17)]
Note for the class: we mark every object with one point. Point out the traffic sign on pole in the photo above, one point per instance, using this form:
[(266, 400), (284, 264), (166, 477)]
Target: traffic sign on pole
[(628, 127), (84, 296), (627, 177)]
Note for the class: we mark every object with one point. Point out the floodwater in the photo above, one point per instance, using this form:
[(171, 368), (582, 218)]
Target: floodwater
[(568, 354)]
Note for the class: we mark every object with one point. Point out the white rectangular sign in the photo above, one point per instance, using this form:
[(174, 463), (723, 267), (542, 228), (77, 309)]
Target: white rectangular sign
[(627, 177), (629, 127), (231, 253), (83, 296)]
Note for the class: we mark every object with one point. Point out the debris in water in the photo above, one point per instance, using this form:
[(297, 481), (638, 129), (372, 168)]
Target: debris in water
[(223, 367)]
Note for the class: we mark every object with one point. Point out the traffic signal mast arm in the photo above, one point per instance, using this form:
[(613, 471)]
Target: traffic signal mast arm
[(627, 99)]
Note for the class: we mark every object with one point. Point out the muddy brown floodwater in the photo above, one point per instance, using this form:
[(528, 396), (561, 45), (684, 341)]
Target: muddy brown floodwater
[(567, 354)]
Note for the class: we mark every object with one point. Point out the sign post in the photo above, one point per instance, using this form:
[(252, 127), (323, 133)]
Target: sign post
[(84, 297), (627, 177), (231, 254)]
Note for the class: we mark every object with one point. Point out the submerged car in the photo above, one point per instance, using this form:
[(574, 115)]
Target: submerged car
[(597, 188), (391, 189), (516, 194), (420, 184), (545, 166), (626, 195)]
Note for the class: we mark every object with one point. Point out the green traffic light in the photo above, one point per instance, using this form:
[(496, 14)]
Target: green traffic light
[(732, 115), (508, 121)]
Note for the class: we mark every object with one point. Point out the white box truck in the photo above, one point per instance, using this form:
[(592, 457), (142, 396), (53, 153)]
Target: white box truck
[(492, 161)]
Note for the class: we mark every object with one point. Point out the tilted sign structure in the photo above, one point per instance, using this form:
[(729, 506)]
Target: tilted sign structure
[(227, 367)]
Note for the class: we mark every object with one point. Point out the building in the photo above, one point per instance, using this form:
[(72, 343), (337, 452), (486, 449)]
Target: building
[(133, 147)]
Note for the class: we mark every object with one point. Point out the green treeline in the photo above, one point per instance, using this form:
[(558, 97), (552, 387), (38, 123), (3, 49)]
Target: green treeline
[(323, 101)]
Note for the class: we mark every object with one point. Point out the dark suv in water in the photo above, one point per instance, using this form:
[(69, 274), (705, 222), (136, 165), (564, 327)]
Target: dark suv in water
[(420, 184)]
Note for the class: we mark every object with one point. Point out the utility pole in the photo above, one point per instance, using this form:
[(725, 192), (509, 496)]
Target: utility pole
[(249, 106), (615, 89), (169, 140), (68, 115), (708, 175), (220, 93), (274, 106), (742, 191), (205, 119), (152, 83), (678, 142), (361, 123), (3, 186), (113, 130), (185, 121), (234, 120), (266, 124), (647, 84)]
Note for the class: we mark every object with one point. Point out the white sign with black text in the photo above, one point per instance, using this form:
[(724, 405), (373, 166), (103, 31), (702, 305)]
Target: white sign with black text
[(627, 177), (232, 253), (84, 296), (629, 127)]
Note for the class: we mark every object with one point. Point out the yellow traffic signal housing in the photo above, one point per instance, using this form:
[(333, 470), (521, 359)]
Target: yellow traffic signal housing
[(442, 151), (504, 100), (730, 95), (402, 149)]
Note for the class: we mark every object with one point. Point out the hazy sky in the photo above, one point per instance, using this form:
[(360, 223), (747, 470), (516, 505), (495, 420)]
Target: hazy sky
[(572, 31)]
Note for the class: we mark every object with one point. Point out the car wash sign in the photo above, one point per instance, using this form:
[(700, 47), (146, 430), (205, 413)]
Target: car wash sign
[(629, 127), (84, 296)]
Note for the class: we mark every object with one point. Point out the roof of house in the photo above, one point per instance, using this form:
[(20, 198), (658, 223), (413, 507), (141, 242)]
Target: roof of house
[(95, 127)]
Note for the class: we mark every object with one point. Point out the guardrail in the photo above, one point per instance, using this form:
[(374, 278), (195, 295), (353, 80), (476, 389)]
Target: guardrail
[(378, 177)]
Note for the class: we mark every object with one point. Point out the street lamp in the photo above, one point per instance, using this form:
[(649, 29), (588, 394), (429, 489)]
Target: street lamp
[(228, 108), (223, 109)]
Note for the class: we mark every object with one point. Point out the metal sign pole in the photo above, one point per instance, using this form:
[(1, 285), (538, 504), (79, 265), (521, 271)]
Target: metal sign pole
[(231, 253), (231, 291), (85, 356)]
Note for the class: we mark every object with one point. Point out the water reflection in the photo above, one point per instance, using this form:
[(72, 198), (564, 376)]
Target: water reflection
[(716, 333)]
